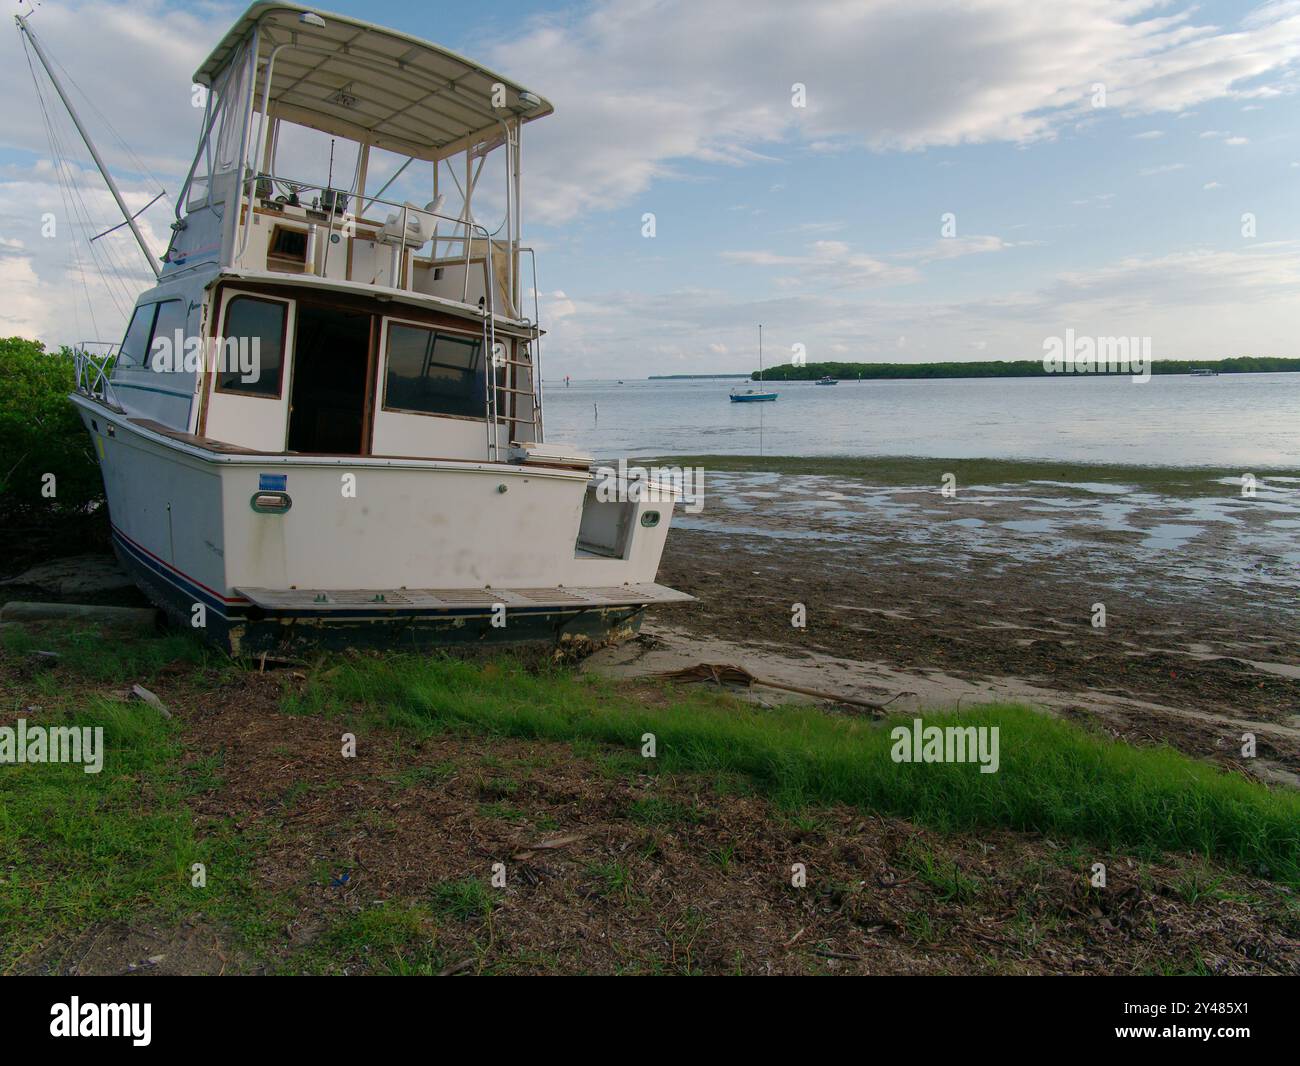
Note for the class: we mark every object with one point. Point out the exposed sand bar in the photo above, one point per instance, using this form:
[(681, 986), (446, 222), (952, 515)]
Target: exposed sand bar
[(995, 589)]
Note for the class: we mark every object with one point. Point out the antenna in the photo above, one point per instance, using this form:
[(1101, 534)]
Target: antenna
[(94, 153)]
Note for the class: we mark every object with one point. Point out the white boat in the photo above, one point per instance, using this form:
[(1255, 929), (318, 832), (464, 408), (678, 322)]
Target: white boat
[(378, 473)]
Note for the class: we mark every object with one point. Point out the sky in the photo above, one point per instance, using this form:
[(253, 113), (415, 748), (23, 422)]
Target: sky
[(873, 180)]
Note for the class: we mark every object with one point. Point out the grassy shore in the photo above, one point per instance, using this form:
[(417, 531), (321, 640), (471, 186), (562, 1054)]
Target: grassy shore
[(903, 471), (84, 851)]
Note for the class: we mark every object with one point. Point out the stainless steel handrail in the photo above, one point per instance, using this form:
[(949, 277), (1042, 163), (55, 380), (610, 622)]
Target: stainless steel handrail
[(467, 239), (537, 351), (91, 371)]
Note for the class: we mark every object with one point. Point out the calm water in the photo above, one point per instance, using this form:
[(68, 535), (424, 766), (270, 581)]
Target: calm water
[(1236, 420)]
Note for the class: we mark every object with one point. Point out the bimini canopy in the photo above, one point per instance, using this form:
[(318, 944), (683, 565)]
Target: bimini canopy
[(367, 83)]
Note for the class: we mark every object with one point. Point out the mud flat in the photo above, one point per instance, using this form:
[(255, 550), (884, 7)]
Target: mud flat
[(991, 593)]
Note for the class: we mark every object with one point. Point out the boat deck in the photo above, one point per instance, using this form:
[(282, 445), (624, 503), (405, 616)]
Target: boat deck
[(451, 601)]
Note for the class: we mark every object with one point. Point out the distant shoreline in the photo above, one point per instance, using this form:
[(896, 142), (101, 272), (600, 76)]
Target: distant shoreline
[(1017, 368)]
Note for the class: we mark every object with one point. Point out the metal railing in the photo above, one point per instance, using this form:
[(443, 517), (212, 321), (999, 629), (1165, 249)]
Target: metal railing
[(537, 349), (465, 235), (93, 370), (338, 221)]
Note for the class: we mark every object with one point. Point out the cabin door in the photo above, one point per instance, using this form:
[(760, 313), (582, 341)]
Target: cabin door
[(331, 357)]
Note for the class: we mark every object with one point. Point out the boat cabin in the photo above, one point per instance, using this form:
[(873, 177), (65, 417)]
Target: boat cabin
[(333, 284)]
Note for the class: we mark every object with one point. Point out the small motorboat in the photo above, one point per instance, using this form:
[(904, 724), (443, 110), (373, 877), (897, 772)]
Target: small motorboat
[(827, 380)]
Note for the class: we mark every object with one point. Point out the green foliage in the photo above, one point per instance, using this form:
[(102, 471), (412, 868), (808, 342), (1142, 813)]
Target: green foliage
[(81, 848), (1054, 778), (41, 433), (1009, 368)]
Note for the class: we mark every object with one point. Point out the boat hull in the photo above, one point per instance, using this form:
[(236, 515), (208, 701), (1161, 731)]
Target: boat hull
[(496, 553), (762, 397), (246, 629)]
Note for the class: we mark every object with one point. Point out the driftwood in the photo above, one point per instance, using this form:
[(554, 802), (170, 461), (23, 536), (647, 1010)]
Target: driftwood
[(152, 700), (727, 674), (128, 617)]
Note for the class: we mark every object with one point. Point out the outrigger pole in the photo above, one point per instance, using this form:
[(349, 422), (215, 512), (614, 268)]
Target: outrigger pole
[(103, 170)]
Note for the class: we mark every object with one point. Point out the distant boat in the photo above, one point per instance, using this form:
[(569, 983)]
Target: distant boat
[(1204, 372), (750, 394), (827, 380), (754, 393)]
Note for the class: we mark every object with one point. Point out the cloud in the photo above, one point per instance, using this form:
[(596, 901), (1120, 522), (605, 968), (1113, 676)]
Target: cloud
[(957, 247), (1179, 299), (134, 62), (1168, 168), (61, 286), (641, 86), (827, 264)]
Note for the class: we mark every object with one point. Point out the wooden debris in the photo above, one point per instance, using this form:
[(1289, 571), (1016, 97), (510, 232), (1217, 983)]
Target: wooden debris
[(153, 701), (547, 845), (727, 674)]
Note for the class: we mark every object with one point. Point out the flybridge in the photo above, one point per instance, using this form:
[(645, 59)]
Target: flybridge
[(282, 68)]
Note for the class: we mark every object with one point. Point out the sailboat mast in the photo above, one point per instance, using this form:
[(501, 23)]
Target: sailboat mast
[(94, 153), (760, 351)]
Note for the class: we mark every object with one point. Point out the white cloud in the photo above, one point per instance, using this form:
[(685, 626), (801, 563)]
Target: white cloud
[(1179, 299), (134, 62), (827, 264), (639, 85)]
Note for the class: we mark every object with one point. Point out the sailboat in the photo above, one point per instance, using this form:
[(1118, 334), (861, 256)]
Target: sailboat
[(324, 422), (752, 393)]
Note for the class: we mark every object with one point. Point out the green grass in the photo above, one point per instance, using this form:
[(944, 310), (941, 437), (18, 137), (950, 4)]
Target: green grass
[(464, 900), (614, 878), (391, 938), (905, 471), (1055, 778), (94, 654), (81, 848), (942, 875), (660, 812), (77, 849)]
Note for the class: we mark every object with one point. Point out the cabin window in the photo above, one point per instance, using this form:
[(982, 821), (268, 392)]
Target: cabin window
[(134, 349), (288, 249), (434, 372), (171, 317), (251, 351)]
